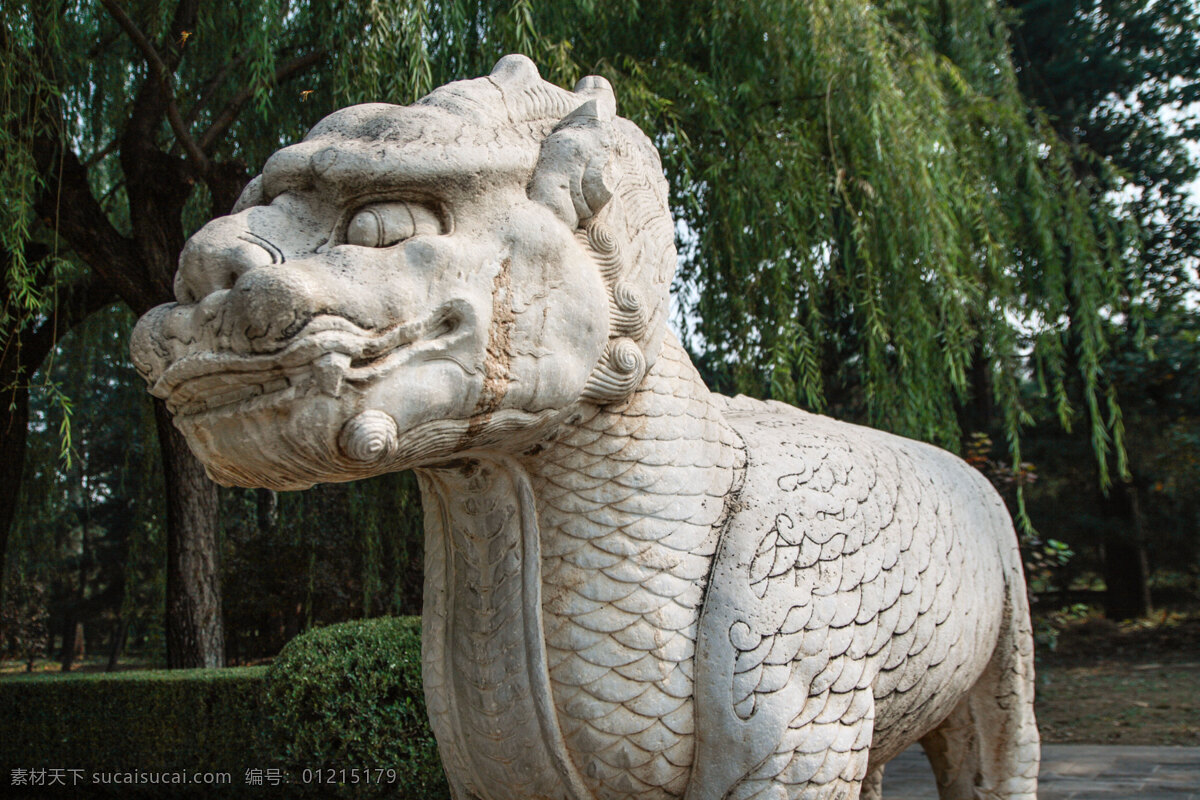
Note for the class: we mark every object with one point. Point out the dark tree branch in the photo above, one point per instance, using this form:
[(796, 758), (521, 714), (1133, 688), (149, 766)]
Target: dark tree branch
[(101, 46), (225, 180), (70, 209), (230, 113), (158, 183), (117, 186), (24, 351), (162, 75), (225, 185), (98, 156), (25, 346), (212, 85), (184, 20), (77, 302)]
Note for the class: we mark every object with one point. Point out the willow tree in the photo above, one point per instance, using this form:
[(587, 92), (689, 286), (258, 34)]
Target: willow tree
[(869, 223), (125, 125), (900, 224), (1119, 79)]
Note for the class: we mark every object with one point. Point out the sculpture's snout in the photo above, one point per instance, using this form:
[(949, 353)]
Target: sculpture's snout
[(148, 346), (220, 253), (239, 286), (236, 292), (267, 306)]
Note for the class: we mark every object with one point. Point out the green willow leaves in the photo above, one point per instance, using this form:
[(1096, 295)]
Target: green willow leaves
[(872, 221)]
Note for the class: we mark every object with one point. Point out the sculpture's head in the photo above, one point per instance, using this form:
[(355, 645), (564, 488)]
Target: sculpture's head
[(411, 282)]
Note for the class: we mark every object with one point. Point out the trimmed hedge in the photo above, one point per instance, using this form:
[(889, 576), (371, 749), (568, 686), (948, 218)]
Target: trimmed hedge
[(337, 702), (163, 721), (348, 697)]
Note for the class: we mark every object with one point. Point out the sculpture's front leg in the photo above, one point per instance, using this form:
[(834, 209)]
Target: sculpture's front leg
[(821, 757)]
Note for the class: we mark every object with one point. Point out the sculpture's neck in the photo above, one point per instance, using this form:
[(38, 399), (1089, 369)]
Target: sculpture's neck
[(556, 580), (484, 663)]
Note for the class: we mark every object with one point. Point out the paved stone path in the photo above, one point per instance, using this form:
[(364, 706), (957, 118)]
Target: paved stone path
[(1076, 772)]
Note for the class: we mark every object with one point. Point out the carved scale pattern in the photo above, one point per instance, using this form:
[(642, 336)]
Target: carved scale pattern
[(873, 607), (484, 660), (627, 535), (859, 607), (631, 502)]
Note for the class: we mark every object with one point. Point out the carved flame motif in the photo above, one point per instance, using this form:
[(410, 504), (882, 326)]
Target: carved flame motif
[(634, 588)]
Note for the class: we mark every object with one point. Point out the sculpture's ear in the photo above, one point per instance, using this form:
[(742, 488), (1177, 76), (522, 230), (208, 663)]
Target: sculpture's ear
[(570, 175), (251, 196)]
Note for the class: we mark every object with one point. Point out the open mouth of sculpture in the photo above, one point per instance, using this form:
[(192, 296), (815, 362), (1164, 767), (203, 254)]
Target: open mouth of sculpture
[(329, 354)]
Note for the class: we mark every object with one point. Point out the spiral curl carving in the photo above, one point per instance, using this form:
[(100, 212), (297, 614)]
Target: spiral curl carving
[(625, 356), (601, 238), (627, 297), (619, 372), (369, 437), (627, 310)]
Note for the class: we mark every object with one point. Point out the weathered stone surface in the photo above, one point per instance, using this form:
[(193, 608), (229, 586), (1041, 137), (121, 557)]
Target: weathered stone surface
[(634, 588)]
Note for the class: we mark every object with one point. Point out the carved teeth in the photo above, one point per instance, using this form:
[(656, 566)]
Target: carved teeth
[(232, 396), (330, 370)]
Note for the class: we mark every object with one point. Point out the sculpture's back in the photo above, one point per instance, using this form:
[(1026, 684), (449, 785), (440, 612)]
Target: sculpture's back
[(634, 587)]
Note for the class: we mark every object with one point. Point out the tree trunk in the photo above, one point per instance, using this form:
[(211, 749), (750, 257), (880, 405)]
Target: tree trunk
[(978, 411), (267, 508), (14, 413), (120, 629), (72, 632), (195, 630), (1127, 593), (1126, 576)]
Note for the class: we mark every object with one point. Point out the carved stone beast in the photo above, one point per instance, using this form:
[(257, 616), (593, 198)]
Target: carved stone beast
[(634, 588)]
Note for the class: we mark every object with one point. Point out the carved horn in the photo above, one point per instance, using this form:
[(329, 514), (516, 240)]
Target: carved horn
[(517, 70), (570, 174), (600, 90)]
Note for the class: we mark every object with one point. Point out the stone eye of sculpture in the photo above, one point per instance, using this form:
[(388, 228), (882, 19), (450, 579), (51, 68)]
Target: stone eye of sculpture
[(634, 588)]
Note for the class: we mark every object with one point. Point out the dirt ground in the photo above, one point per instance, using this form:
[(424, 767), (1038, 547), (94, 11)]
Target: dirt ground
[(1135, 683)]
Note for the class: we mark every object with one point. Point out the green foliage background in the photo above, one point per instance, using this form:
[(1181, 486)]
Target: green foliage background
[(866, 204), (880, 215), (350, 696), (182, 720), (338, 702)]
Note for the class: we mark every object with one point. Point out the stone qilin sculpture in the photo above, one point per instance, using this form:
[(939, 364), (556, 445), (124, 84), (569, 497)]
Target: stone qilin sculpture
[(634, 588)]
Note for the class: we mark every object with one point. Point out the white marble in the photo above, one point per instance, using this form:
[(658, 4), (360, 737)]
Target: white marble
[(634, 588)]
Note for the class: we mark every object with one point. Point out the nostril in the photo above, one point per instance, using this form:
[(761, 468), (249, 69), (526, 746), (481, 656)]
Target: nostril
[(183, 293), (270, 305), (448, 325), (210, 307), (217, 256)]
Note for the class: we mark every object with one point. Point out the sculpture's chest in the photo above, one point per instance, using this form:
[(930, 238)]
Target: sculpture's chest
[(567, 646), (621, 613), (484, 666), (559, 640)]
